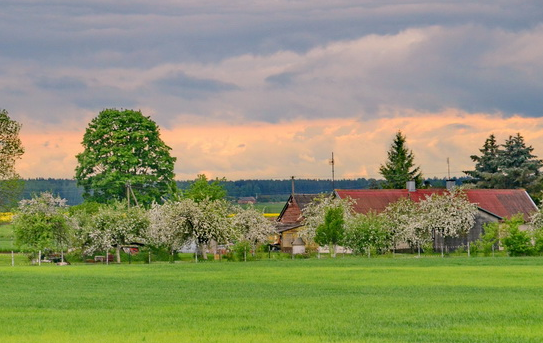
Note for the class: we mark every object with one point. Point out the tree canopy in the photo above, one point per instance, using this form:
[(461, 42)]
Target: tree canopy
[(41, 223), (399, 167), (123, 148), (202, 189), (11, 149)]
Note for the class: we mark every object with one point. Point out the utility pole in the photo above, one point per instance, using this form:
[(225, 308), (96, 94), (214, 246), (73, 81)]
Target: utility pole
[(128, 193), (332, 162)]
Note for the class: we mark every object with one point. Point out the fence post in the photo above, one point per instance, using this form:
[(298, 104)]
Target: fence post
[(12, 259), (39, 258)]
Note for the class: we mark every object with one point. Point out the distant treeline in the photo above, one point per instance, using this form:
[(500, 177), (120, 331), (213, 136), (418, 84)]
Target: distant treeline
[(263, 190)]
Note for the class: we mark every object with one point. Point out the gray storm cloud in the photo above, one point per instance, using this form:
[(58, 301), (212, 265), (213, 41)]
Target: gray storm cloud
[(239, 61)]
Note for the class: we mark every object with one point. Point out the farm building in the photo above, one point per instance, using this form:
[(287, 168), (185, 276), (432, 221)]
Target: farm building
[(247, 200), (289, 221), (493, 204)]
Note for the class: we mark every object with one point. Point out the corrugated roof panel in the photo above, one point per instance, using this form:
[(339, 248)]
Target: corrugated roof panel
[(501, 202)]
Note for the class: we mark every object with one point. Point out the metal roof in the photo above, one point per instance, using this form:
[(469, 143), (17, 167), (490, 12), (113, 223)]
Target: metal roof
[(500, 202)]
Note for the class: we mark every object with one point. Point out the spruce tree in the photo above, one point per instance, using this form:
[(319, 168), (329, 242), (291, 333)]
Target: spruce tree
[(399, 168), (509, 165), (519, 167), (487, 166)]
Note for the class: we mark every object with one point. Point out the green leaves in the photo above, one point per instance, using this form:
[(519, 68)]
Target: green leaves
[(123, 146), (202, 189)]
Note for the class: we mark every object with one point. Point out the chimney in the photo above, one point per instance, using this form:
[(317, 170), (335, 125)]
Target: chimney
[(450, 184), (411, 186)]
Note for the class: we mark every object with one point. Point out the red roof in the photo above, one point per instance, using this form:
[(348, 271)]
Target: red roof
[(500, 202)]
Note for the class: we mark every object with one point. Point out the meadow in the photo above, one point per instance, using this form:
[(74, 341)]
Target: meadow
[(351, 299), (6, 238)]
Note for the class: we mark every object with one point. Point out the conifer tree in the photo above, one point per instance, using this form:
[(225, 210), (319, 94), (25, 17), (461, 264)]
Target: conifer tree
[(487, 165), (509, 165), (399, 168), (519, 167)]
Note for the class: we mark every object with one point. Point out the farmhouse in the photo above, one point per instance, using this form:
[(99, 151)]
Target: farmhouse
[(289, 221), (493, 204)]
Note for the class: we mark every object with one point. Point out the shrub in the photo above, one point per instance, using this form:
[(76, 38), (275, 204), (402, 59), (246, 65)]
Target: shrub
[(490, 238), (517, 243)]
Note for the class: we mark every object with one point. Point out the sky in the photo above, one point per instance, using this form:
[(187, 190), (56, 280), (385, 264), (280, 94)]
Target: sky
[(269, 89)]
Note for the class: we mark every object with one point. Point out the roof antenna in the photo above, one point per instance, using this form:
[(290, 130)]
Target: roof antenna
[(448, 169), (332, 162), (292, 180)]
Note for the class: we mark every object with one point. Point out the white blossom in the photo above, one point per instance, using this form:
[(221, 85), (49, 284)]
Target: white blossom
[(251, 225)]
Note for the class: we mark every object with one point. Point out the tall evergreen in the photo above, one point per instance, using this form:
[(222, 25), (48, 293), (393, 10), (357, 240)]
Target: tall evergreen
[(509, 165), (487, 165), (518, 165), (399, 168)]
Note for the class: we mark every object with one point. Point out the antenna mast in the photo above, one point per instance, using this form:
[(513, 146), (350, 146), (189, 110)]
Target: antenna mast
[(292, 180), (448, 169), (332, 163)]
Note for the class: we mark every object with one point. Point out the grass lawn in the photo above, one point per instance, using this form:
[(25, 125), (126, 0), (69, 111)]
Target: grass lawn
[(6, 237), (344, 300), (269, 207)]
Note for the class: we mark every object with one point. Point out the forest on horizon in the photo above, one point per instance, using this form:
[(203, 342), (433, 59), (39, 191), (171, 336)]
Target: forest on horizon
[(262, 190)]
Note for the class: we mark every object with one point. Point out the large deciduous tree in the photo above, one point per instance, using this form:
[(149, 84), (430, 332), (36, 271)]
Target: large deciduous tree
[(399, 167), (123, 149), (11, 149)]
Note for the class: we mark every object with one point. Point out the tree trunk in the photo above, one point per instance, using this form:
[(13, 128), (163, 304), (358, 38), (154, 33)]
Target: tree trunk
[(118, 253), (203, 250), (333, 250)]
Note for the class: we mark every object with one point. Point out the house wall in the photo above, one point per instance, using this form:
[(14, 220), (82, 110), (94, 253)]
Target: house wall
[(287, 237), (453, 243)]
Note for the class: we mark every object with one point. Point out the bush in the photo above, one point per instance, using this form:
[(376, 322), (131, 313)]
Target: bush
[(490, 239), (242, 251), (517, 243)]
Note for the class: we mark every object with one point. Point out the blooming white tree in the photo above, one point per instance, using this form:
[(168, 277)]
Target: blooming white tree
[(313, 214), (42, 223), (405, 223), (212, 224), (450, 214), (250, 225), (170, 224), (115, 225)]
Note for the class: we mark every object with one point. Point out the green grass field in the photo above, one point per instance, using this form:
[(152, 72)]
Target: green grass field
[(410, 299), (6, 237)]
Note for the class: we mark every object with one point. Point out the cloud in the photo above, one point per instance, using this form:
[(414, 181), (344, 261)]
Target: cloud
[(324, 72)]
